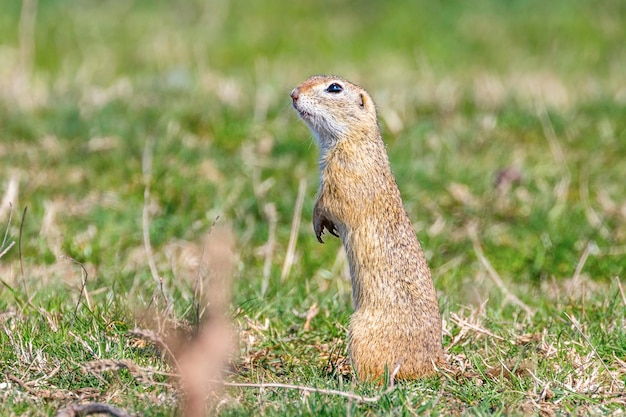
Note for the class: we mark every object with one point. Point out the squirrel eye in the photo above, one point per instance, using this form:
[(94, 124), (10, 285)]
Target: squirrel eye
[(334, 88)]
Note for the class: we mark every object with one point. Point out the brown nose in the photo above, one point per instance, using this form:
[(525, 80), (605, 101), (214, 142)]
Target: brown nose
[(295, 94)]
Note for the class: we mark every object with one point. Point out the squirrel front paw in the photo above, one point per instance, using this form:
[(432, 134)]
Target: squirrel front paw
[(319, 223)]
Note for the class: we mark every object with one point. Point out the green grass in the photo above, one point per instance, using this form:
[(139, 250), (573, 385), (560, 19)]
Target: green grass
[(463, 91)]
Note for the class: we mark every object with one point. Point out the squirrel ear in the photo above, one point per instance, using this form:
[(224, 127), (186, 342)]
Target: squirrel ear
[(362, 103)]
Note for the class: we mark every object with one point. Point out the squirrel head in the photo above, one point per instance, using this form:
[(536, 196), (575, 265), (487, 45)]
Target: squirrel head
[(334, 109)]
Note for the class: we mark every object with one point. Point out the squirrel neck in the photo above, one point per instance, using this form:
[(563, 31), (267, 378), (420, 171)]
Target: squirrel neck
[(360, 152)]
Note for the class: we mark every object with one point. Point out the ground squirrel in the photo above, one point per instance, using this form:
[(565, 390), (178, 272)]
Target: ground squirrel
[(396, 317)]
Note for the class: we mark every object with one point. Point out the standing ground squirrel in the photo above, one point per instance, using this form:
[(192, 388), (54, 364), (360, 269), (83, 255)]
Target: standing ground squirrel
[(396, 317)]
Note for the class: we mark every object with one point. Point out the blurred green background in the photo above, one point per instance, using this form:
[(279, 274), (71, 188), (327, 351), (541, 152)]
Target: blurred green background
[(460, 89)]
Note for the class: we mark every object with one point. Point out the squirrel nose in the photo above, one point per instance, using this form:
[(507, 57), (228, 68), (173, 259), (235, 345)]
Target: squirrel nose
[(295, 94)]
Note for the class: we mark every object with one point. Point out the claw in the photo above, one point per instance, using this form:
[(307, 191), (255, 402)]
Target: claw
[(319, 229)]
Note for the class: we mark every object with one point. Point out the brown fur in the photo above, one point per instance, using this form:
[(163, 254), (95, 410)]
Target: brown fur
[(396, 318)]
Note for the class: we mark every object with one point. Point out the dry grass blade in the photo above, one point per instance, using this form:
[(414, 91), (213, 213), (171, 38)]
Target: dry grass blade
[(268, 249), (590, 248), (46, 394), (464, 324), (21, 383), (9, 199), (20, 253), (593, 218), (295, 228), (576, 325), (84, 276), (146, 163), (473, 235), (553, 142), (198, 286), (621, 290), (310, 315), (3, 249), (143, 375), (345, 394), (77, 410)]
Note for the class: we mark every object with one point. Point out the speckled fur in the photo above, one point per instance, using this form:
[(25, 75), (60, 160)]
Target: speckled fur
[(396, 317)]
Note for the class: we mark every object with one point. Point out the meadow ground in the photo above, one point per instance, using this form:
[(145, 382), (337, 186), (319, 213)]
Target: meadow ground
[(153, 175)]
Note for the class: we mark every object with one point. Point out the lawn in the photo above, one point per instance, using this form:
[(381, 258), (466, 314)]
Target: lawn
[(154, 179)]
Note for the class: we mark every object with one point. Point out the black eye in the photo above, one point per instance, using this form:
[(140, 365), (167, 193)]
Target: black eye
[(334, 88)]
